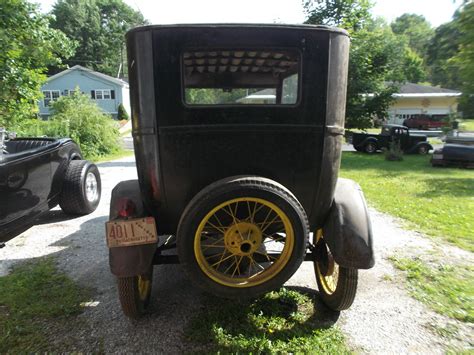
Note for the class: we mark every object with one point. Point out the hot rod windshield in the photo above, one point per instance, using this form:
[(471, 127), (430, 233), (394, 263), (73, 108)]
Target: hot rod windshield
[(241, 77)]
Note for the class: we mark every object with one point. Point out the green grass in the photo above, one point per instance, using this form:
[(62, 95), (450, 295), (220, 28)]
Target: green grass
[(286, 321), (467, 125), (34, 298), (447, 289), (117, 155), (436, 201)]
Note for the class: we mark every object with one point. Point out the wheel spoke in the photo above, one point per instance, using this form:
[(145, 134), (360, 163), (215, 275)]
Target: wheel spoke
[(220, 229), (237, 266), (281, 239), (252, 261), (219, 221), (266, 255), (222, 260), (269, 223), (232, 264), (213, 245), (265, 220), (255, 210)]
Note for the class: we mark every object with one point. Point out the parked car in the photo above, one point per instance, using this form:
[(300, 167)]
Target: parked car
[(409, 143), (460, 137), (461, 155), (426, 121), (36, 174), (247, 189)]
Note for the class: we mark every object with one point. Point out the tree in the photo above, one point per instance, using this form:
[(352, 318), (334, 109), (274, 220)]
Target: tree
[(28, 45), (377, 56), (99, 27), (122, 113), (464, 59), (443, 46), (417, 30)]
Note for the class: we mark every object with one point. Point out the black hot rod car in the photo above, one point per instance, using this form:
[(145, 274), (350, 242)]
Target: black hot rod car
[(36, 174), (237, 132), (409, 143)]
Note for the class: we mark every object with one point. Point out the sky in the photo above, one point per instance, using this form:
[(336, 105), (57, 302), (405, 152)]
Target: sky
[(269, 11)]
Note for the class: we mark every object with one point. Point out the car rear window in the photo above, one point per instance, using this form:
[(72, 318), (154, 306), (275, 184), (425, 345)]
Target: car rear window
[(241, 77)]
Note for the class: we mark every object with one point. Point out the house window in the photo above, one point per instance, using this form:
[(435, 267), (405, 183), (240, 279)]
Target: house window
[(102, 94), (50, 95)]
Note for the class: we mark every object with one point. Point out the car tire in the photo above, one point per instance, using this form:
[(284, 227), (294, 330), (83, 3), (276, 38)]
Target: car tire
[(337, 285), (225, 230), (370, 148), (81, 188), (423, 150), (135, 294)]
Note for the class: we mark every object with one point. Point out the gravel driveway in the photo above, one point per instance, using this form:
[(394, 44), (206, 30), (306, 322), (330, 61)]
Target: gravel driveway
[(383, 318)]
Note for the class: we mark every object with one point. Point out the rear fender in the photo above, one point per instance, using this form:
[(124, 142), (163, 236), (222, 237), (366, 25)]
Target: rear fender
[(369, 140), (347, 230), (133, 260)]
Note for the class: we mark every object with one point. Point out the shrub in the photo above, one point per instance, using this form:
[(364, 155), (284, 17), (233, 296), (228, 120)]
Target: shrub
[(122, 113), (78, 117), (394, 152)]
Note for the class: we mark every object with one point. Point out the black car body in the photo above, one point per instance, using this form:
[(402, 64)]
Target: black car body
[(409, 143), (32, 180), (461, 155), (241, 120)]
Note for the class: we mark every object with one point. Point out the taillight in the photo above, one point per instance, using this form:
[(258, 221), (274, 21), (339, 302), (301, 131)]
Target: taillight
[(126, 207)]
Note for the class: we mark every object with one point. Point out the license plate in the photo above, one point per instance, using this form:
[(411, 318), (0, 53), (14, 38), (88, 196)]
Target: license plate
[(123, 233), (438, 156)]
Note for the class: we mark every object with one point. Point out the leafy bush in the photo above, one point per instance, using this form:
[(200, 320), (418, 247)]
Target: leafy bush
[(394, 152), (76, 116), (122, 113)]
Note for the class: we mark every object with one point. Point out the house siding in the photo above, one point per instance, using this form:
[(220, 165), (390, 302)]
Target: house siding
[(86, 82)]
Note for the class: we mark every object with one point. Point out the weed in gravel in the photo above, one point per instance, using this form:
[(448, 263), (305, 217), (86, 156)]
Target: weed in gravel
[(284, 321), (34, 298), (447, 331), (446, 289)]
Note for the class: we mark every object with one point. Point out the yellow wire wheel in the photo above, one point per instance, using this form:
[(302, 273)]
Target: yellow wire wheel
[(337, 285), (242, 238)]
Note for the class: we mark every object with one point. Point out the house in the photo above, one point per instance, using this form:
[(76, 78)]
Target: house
[(411, 99), (106, 91), (422, 99)]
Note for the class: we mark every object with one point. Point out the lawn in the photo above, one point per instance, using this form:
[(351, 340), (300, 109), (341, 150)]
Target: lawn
[(283, 322), (447, 289), (35, 299), (438, 202), (122, 153), (467, 125)]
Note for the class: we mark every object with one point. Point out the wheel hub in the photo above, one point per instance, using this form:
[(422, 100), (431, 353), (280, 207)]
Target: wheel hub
[(92, 191), (243, 238), (325, 259)]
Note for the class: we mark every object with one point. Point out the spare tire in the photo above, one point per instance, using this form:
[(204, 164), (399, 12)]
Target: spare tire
[(241, 237)]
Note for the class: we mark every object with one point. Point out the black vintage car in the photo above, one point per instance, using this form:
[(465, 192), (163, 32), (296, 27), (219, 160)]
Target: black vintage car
[(36, 174), (451, 154), (409, 143), (237, 132)]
